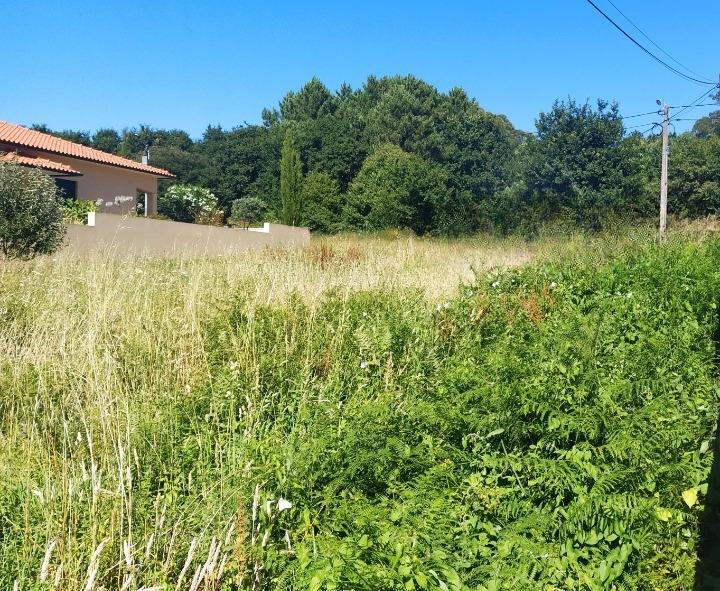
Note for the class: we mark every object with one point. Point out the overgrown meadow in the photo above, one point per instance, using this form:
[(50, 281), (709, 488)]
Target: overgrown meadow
[(365, 414)]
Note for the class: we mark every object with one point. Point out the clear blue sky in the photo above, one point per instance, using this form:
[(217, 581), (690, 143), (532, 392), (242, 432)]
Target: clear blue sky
[(84, 65)]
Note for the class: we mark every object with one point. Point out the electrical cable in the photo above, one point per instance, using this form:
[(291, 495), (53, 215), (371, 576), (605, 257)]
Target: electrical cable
[(701, 105), (643, 125), (640, 115), (692, 105), (627, 18), (697, 119), (646, 50), (651, 129)]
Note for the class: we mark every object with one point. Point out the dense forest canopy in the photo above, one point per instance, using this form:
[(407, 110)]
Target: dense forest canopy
[(399, 153)]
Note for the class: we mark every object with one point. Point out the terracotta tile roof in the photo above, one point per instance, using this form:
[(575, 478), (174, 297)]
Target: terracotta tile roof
[(43, 163), (29, 138)]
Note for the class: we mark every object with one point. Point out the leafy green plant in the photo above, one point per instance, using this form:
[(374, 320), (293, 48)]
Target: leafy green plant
[(395, 189), (322, 202), (30, 212), (543, 430), (75, 210), (546, 427), (247, 211)]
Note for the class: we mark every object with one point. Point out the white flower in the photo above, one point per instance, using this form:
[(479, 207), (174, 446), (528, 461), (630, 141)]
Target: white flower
[(267, 507), (283, 504), (495, 284), (553, 285), (363, 365)]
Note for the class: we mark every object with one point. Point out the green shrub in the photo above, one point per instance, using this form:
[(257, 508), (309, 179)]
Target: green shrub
[(577, 167), (322, 203), (551, 428), (396, 189), (75, 210), (31, 219), (247, 211)]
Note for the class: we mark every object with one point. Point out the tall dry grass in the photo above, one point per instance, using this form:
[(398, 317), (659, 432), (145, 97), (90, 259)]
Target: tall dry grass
[(95, 348), (101, 357)]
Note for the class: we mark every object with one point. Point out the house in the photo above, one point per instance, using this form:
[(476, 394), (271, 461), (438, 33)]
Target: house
[(86, 173), (83, 172)]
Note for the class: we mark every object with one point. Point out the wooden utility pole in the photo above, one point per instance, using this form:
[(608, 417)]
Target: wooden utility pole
[(664, 173)]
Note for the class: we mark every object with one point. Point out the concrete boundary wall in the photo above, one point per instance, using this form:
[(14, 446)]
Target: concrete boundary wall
[(128, 235)]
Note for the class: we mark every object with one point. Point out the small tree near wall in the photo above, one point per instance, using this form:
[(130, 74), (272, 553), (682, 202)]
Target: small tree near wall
[(248, 210), (31, 216)]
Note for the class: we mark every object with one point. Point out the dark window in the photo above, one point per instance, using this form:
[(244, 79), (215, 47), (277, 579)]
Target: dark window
[(67, 188)]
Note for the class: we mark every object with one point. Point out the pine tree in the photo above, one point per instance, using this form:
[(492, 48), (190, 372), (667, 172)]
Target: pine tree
[(290, 181)]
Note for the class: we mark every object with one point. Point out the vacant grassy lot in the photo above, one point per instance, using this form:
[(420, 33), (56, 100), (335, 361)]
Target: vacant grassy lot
[(365, 414)]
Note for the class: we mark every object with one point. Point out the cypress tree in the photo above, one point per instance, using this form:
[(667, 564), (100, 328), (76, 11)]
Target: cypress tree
[(290, 181)]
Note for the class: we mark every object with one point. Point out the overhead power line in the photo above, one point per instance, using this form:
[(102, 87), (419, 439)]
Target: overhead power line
[(695, 103), (700, 105), (649, 125), (646, 50), (684, 107), (639, 30), (674, 117), (640, 115), (697, 119)]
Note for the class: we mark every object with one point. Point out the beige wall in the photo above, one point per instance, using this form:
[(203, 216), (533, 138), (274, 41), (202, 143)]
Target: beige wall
[(129, 236), (101, 181)]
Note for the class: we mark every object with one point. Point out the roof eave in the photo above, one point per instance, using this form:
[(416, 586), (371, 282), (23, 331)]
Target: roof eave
[(54, 173), (167, 175)]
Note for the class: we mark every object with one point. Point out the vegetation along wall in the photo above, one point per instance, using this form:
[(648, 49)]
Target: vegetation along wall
[(398, 153)]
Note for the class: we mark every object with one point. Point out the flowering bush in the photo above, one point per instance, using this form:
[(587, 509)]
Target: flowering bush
[(188, 203), (125, 203)]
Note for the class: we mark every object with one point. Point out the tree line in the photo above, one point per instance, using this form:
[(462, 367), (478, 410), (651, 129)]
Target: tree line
[(397, 153)]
